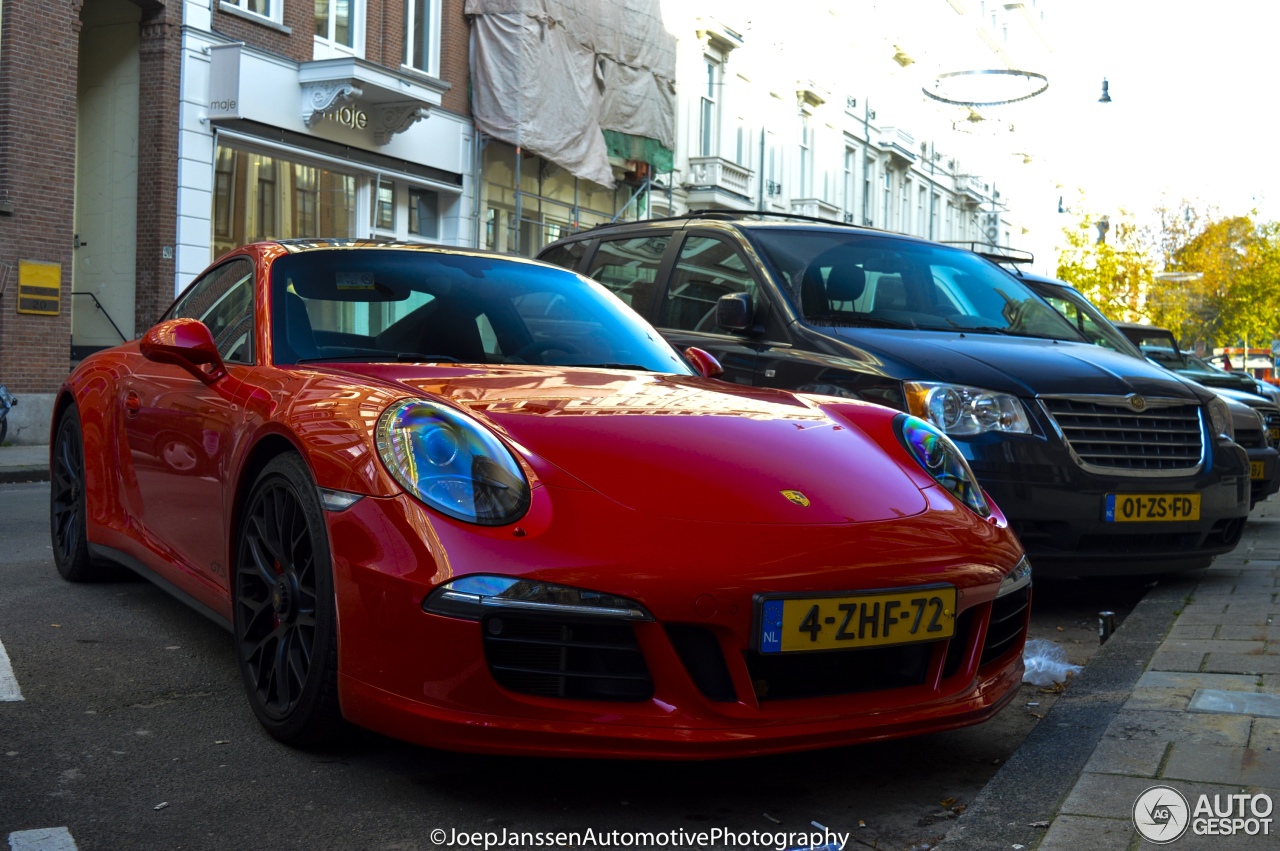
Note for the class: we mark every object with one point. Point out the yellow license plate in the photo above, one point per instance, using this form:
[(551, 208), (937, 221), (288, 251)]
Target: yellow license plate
[(1275, 434), (1256, 470), (874, 619), (1152, 507)]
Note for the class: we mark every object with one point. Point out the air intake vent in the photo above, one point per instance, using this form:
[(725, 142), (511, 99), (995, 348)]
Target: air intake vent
[(1008, 624), (554, 657), (1155, 436)]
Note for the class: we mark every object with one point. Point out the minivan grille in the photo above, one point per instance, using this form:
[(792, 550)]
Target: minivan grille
[(1111, 435)]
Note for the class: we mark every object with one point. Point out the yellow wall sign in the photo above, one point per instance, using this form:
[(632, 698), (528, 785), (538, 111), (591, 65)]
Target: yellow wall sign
[(39, 287)]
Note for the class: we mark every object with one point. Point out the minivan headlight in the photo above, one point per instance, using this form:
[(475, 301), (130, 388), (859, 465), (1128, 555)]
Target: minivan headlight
[(1220, 418), (961, 410), (942, 460), (452, 463)]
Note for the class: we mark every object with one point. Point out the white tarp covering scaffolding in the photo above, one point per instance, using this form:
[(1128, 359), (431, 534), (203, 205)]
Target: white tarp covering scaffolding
[(550, 75)]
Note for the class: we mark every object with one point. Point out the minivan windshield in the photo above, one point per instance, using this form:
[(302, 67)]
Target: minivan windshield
[(836, 278), (1081, 313)]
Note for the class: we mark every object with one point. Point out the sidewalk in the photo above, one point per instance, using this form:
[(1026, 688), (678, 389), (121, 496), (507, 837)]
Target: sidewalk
[(1186, 695), (24, 464)]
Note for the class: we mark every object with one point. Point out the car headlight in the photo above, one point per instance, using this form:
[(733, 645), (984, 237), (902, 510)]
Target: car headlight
[(452, 463), (1220, 418), (960, 410), (942, 460), (1018, 578), (471, 596)]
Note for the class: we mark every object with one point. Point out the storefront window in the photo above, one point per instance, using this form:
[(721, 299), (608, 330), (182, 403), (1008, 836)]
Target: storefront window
[(385, 209), (259, 196), (424, 213)]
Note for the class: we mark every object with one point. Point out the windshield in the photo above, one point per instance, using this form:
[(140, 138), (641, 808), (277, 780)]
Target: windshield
[(387, 305), (869, 280), (1086, 318), (1158, 345)]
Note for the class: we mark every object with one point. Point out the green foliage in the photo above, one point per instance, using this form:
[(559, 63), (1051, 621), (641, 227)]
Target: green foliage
[(1115, 274), (1203, 276)]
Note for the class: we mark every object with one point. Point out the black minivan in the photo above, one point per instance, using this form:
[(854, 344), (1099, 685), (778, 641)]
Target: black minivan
[(1104, 464)]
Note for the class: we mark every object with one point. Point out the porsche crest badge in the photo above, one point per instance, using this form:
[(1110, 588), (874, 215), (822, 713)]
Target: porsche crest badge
[(797, 497)]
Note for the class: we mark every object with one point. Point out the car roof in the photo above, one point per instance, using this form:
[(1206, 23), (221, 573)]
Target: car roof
[(1140, 326), (746, 219)]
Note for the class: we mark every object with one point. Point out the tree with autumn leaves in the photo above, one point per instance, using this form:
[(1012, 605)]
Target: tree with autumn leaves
[(1204, 277)]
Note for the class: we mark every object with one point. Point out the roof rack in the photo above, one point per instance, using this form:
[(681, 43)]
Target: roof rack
[(994, 253), (731, 215)]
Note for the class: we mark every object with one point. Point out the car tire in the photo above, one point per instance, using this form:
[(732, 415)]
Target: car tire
[(67, 505), (284, 613)]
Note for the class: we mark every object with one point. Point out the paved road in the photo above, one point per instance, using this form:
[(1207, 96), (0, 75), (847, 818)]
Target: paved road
[(133, 733)]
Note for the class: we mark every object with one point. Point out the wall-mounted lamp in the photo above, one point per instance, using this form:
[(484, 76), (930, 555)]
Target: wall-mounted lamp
[(1106, 95)]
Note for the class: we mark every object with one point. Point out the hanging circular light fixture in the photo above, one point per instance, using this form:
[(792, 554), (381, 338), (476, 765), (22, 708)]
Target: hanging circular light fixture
[(986, 87)]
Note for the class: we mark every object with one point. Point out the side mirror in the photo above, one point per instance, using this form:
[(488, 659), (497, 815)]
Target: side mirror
[(733, 311), (704, 362), (186, 343)]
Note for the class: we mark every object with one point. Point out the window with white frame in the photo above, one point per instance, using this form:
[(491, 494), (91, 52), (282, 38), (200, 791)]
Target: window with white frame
[(384, 205), (422, 35), (709, 110), (866, 191), (805, 190), (338, 27), (272, 10)]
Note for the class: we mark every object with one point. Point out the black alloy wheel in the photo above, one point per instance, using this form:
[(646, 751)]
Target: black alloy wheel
[(67, 503), (284, 612)]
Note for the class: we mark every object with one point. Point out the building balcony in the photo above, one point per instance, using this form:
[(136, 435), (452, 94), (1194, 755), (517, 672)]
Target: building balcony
[(816, 208), (972, 190), (900, 144), (719, 183)]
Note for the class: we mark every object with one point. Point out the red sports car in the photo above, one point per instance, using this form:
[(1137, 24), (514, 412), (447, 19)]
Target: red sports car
[(474, 502)]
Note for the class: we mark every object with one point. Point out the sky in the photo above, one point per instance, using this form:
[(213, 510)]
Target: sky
[(1192, 114)]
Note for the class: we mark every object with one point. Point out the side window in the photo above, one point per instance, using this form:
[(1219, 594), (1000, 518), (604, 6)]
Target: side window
[(223, 300), (707, 269), (629, 268), (566, 256)]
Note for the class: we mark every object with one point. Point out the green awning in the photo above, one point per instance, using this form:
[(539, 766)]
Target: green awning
[(641, 149)]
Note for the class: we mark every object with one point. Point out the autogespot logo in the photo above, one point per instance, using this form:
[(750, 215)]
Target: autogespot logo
[(1161, 814)]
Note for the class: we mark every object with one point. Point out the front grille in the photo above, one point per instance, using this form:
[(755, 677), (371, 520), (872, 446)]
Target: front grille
[(1112, 436), (699, 650), (559, 657), (1251, 439), (959, 644), (1008, 624), (1272, 419), (789, 675)]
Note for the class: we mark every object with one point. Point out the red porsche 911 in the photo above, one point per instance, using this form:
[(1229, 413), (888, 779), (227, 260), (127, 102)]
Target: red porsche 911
[(474, 502)]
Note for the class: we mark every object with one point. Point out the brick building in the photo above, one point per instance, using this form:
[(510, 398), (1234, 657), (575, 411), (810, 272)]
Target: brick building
[(139, 139)]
